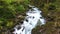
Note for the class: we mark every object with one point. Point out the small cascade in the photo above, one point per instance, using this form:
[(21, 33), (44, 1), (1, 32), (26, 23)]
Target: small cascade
[(30, 21)]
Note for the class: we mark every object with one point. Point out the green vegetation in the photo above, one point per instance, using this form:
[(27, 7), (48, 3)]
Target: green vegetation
[(51, 12), (9, 12), (12, 12)]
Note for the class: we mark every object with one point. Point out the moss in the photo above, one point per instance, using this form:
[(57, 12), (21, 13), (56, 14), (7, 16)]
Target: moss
[(51, 12), (9, 10)]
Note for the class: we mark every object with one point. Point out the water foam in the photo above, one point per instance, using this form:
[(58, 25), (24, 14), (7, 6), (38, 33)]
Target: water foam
[(30, 21)]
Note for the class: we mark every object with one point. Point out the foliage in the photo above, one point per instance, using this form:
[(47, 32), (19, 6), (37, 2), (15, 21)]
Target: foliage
[(51, 12), (9, 9)]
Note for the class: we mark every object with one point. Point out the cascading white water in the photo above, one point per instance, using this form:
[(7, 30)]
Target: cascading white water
[(30, 21)]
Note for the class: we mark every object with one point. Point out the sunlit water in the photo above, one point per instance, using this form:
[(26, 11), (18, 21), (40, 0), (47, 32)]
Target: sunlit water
[(30, 21)]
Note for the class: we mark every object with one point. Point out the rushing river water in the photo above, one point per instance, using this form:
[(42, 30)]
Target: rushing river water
[(30, 21)]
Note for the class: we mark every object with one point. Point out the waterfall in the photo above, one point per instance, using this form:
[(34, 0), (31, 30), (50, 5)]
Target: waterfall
[(30, 21)]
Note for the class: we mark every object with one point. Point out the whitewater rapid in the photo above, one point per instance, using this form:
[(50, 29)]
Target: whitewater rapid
[(30, 21)]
